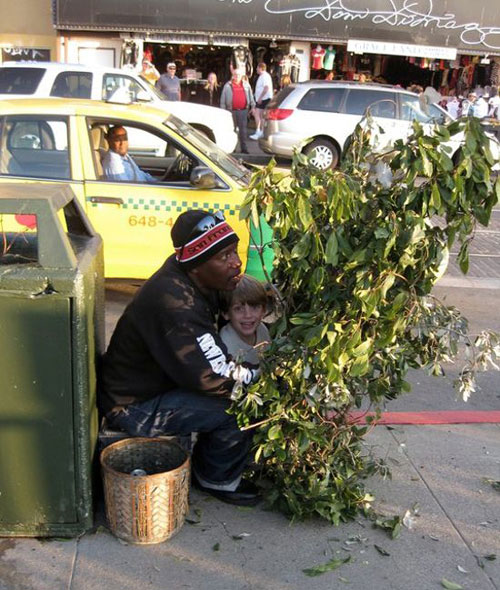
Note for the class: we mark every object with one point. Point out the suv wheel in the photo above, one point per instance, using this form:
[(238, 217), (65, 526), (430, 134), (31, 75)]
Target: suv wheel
[(322, 154)]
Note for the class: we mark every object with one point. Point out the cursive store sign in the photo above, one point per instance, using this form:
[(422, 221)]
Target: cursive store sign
[(389, 14), (442, 23)]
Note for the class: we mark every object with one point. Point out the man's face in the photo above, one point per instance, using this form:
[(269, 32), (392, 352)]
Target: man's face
[(171, 71), (118, 141), (220, 272)]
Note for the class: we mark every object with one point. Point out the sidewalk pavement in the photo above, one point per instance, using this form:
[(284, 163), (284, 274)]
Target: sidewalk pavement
[(442, 474)]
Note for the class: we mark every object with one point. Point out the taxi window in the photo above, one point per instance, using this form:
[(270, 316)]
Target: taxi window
[(142, 155), (34, 147)]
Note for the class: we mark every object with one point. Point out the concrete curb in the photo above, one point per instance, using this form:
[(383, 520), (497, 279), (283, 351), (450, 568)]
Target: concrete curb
[(469, 282)]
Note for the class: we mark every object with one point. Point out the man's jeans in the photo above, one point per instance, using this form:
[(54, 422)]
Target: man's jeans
[(221, 451), (240, 119)]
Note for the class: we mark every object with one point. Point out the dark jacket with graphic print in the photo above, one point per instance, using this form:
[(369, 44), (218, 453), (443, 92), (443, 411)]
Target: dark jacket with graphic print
[(166, 339)]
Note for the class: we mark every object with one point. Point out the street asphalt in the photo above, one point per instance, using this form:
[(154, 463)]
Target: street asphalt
[(443, 480)]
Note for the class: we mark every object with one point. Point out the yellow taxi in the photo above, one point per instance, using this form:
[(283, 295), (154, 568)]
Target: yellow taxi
[(64, 141)]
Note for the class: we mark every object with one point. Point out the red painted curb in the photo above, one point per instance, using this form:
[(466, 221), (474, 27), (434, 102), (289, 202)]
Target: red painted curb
[(437, 417)]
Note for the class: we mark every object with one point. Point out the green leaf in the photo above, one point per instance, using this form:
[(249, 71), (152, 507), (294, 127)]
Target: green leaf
[(216, 547), (359, 367), (450, 585), (274, 432), (463, 258), (435, 197), (305, 213), (329, 566), (490, 557), (332, 250)]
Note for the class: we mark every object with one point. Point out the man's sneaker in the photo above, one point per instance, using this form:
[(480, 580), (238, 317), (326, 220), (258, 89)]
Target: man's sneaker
[(246, 494), (256, 135)]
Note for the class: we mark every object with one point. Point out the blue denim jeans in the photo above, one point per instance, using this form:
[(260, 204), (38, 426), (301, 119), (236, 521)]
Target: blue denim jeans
[(221, 451)]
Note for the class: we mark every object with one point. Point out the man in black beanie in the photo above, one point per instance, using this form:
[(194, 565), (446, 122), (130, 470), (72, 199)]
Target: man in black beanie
[(167, 372)]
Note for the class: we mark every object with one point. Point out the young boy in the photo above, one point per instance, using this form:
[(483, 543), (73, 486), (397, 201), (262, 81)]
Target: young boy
[(245, 336)]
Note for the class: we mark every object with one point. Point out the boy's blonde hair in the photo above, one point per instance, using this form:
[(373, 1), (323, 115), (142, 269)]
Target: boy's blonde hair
[(249, 290)]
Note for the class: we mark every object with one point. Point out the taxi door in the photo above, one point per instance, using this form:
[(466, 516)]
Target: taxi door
[(135, 218)]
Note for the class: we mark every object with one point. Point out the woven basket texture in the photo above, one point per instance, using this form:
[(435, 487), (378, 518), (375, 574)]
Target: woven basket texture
[(150, 508)]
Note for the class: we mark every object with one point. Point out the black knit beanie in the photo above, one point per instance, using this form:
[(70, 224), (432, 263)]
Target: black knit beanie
[(192, 247)]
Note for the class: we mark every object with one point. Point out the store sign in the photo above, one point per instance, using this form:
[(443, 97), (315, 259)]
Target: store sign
[(446, 23), (25, 54), (387, 48)]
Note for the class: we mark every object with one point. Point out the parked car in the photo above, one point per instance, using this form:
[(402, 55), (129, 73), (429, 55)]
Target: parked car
[(63, 141), (318, 117), (51, 79)]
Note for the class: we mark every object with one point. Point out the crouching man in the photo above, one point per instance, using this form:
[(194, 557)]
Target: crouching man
[(167, 372)]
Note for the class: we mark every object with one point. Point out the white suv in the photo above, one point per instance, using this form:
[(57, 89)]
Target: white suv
[(318, 117), (49, 79)]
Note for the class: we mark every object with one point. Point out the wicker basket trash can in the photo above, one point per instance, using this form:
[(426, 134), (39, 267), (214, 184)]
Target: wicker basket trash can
[(149, 508)]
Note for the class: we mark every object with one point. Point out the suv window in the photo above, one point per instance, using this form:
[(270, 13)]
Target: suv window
[(322, 99), (20, 80), (412, 109), (382, 104), (35, 147), (280, 97), (118, 87), (72, 85)]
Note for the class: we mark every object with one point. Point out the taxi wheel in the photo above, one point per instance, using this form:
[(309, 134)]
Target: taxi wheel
[(322, 154)]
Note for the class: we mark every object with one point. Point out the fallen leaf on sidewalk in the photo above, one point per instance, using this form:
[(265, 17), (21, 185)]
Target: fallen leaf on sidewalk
[(462, 570), (381, 550), (240, 536), (329, 566), (216, 547), (450, 585)]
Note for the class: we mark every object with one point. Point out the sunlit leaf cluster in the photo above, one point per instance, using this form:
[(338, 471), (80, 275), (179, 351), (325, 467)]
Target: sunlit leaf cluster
[(357, 252)]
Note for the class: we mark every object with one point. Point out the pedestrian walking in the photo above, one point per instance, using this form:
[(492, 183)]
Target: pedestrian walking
[(263, 94), (169, 83), (237, 97)]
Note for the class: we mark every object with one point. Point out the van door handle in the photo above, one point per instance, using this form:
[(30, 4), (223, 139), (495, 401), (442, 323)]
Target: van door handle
[(107, 200)]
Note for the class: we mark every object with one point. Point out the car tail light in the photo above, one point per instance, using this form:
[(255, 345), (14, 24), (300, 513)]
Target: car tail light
[(278, 114)]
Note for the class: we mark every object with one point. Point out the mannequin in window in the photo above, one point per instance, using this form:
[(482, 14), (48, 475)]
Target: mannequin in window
[(329, 59), (318, 55)]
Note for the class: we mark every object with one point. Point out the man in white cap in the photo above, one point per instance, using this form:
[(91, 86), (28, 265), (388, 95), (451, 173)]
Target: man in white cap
[(169, 83), (167, 371)]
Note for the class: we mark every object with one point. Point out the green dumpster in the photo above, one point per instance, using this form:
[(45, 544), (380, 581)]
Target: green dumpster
[(51, 335)]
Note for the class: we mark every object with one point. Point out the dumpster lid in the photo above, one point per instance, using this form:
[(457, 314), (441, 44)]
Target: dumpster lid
[(44, 200)]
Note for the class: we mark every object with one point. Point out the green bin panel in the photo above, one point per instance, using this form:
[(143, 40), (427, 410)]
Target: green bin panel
[(51, 337), (260, 239), (36, 423)]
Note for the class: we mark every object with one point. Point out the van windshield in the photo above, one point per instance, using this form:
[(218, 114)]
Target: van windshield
[(230, 165)]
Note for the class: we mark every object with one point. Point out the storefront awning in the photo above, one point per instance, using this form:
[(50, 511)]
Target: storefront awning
[(470, 27), (388, 48)]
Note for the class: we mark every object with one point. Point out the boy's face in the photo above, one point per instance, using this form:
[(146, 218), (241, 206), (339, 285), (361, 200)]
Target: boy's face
[(245, 318)]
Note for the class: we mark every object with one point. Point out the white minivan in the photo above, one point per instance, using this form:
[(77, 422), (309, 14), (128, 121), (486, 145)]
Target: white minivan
[(318, 117), (51, 79)]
